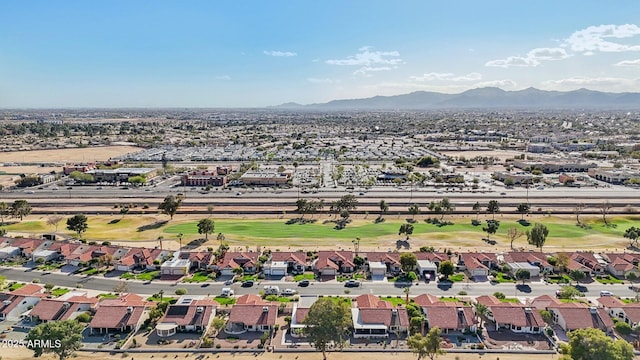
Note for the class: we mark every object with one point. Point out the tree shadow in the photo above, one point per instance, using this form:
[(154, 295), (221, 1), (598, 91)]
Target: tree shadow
[(155, 225), (114, 221), (402, 244)]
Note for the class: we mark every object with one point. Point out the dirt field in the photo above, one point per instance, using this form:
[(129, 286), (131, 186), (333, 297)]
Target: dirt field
[(23, 354), (67, 155), (500, 154)]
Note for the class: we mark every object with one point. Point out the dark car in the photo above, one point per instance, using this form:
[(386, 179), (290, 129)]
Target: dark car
[(248, 283), (304, 283), (352, 283)]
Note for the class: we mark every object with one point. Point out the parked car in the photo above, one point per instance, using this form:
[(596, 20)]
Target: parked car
[(248, 283), (289, 292), (228, 282), (606, 293), (271, 290), (304, 283), (226, 292), (352, 283)]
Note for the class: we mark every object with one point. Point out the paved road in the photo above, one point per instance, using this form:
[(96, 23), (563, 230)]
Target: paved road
[(329, 288)]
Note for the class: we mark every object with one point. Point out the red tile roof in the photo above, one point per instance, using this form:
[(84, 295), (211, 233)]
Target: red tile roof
[(579, 316), (296, 257), (182, 315), (116, 317), (517, 315), (235, 260), (369, 301), (30, 290), (450, 316)]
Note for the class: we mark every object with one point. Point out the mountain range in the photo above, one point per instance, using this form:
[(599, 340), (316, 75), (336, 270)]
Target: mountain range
[(488, 97)]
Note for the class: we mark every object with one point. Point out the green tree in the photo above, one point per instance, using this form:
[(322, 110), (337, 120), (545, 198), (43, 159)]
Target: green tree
[(569, 292), (414, 209), (79, 176), (137, 180), (4, 211), (446, 268), (523, 274), (77, 224), (384, 207), (206, 227), (62, 338), (493, 208), (577, 275), (170, 205), (408, 261), (327, 324), (476, 208), (406, 229), (481, 312), (632, 233), (538, 235), (491, 228), (428, 345), (20, 209), (446, 207), (593, 344), (523, 209)]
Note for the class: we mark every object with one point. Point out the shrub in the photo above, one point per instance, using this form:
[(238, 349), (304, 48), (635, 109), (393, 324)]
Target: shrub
[(181, 291), (462, 293), (623, 328), (499, 295), (35, 281)]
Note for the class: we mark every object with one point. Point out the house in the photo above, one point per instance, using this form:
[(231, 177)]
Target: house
[(434, 257), (200, 260), (175, 266), (587, 262), (330, 263), (59, 309), (9, 252), (428, 269), (573, 316), (296, 262), (299, 313), (188, 314), (629, 313), (518, 318), (390, 260), (375, 318), (477, 265), (247, 261), (251, 313), (537, 259), (28, 246), (141, 258), (621, 265), (16, 303), (125, 314), (448, 316), (534, 271)]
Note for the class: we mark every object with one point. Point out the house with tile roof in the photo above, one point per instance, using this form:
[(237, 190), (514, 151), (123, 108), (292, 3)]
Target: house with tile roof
[(573, 316), (247, 261), (390, 260), (518, 318), (450, 317), (251, 313), (141, 258), (621, 265), (478, 265), (199, 260), (299, 313), (17, 303), (375, 318), (284, 262), (331, 263), (189, 314), (629, 313), (534, 258), (587, 262), (61, 309), (124, 314)]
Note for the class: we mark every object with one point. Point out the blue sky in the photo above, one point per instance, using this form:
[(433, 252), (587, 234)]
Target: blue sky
[(260, 53)]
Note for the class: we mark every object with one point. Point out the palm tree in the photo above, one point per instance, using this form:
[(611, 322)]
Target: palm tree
[(481, 312)]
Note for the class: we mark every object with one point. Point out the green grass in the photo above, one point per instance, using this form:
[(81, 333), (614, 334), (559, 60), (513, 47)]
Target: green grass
[(501, 279), (59, 292), (49, 267), (337, 299), (564, 279), (90, 271), (225, 300), (456, 277), (167, 299), (147, 276), (249, 277), (449, 299), (510, 300), (107, 296), (16, 286), (27, 226), (608, 280), (305, 276), (394, 300), (628, 300), (198, 277), (282, 299)]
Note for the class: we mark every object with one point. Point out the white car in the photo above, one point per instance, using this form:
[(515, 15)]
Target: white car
[(606, 293), (288, 292), (227, 292)]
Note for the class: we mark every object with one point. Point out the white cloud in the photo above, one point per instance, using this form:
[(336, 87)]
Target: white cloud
[(628, 63), (503, 84), (370, 61), (223, 77), (280, 53), (432, 76), (533, 58), (594, 38), (321, 81)]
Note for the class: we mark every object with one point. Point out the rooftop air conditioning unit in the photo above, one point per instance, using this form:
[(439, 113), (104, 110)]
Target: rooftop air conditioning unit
[(199, 309), (265, 309), (129, 309)]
